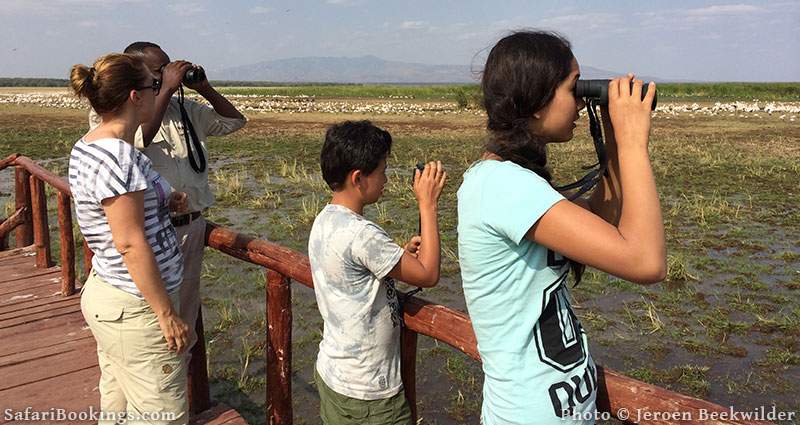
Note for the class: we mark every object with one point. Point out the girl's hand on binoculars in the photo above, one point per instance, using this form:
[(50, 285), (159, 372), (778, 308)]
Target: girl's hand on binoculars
[(172, 75), (428, 184), (630, 115)]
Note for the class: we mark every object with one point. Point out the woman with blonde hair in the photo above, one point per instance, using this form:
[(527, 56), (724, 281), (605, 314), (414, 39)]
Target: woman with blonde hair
[(130, 300)]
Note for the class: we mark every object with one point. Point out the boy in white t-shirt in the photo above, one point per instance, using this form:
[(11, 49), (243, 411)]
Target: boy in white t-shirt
[(353, 262)]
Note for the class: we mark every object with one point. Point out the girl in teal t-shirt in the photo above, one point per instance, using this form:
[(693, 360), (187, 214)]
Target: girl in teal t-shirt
[(519, 238)]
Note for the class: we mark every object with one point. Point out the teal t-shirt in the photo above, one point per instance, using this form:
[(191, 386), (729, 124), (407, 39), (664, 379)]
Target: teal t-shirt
[(535, 355)]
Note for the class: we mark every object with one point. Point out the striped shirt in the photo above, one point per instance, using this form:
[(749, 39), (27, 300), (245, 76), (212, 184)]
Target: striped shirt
[(107, 168)]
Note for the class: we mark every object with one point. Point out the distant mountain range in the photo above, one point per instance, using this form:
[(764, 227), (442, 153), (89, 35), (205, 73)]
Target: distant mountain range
[(365, 69)]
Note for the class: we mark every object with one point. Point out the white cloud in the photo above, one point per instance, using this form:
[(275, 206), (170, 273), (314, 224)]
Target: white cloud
[(260, 10), (58, 7), (184, 9), (588, 21), (411, 25), (723, 10), (340, 2)]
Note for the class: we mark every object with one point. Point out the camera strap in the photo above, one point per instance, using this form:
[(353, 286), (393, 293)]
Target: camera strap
[(194, 143), (590, 180)]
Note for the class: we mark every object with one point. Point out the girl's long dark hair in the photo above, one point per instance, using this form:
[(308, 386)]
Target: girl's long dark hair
[(521, 75)]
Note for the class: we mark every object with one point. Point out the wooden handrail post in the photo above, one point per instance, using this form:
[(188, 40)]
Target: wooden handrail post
[(87, 260), (67, 245), (199, 392), (9, 224), (279, 349), (41, 231), (24, 234), (408, 368)]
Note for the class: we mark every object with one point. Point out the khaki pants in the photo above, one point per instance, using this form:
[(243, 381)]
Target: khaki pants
[(192, 240), (139, 374)]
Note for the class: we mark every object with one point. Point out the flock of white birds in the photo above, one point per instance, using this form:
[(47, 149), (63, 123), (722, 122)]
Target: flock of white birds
[(305, 104)]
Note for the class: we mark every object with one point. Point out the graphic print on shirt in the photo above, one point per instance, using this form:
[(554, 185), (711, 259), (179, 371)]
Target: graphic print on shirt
[(559, 343), (558, 332), (394, 303), (575, 391)]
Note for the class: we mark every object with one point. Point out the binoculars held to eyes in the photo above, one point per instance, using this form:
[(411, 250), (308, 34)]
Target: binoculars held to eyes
[(598, 89), (194, 75)]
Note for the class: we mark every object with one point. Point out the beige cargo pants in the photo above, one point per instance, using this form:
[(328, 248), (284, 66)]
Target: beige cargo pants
[(139, 374)]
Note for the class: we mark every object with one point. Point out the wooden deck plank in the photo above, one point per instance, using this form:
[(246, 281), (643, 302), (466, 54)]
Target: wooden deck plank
[(74, 392), (25, 318), (36, 304), (35, 369), (21, 258), (71, 321), (83, 342), (22, 252), (48, 356), (44, 338), (219, 414), (18, 276), (17, 291)]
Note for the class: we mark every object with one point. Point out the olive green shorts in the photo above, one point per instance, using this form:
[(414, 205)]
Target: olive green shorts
[(338, 409)]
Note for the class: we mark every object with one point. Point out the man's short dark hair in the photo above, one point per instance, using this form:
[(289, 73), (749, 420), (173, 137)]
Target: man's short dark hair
[(352, 145), (140, 46)]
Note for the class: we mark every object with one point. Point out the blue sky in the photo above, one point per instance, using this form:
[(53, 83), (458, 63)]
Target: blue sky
[(697, 40)]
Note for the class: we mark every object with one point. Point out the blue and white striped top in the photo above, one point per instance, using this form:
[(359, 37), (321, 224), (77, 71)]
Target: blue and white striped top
[(107, 168)]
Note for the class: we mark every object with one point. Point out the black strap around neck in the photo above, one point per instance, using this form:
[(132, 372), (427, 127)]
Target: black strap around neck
[(199, 165), (590, 180)]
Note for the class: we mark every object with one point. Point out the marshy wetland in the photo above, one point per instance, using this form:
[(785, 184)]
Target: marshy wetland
[(724, 326)]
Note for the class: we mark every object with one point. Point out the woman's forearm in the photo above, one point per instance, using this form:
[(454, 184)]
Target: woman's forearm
[(141, 263)]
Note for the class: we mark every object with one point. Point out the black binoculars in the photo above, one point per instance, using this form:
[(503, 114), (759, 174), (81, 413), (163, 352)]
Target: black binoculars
[(598, 89), (194, 75)]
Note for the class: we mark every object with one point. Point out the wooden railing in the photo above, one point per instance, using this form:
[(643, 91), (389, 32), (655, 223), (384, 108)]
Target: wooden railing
[(616, 392), (30, 220)]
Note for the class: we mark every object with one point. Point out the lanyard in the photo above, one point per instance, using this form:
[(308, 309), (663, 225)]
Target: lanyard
[(199, 165), (587, 182)]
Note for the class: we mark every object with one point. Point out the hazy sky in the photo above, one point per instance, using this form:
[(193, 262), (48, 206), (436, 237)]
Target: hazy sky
[(697, 40)]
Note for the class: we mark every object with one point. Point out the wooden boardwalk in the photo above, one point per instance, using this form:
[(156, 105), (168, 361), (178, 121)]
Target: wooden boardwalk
[(48, 356)]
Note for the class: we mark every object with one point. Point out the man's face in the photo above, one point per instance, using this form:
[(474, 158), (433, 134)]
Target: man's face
[(156, 60)]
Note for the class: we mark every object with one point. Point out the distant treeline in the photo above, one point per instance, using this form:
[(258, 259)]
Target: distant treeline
[(731, 91), (462, 93), (33, 82)]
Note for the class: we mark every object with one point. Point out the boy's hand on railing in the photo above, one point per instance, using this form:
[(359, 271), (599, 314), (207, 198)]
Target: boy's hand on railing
[(178, 202), (428, 184), (412, 247)]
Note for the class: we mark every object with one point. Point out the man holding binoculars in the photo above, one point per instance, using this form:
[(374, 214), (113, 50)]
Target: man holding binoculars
[(175, 142)]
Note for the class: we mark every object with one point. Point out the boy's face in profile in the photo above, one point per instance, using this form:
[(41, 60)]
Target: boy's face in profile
[(372, 184)]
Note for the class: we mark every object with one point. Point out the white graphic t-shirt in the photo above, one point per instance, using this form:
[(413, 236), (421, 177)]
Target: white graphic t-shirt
[(350, 256)]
